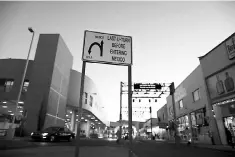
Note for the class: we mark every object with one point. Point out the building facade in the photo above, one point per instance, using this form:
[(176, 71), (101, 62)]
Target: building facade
[(218, 68), (51, 89), (162, 117), (192, 112)]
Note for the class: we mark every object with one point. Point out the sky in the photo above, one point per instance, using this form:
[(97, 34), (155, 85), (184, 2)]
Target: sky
[(168, 37)]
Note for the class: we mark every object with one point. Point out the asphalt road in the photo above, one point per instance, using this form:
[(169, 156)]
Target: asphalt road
[(141, 149)]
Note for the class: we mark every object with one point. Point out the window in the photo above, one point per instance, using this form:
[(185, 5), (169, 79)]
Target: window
[(171, 110), (181, 105), (91, 100), (86, 95), (8, 85), (196, 96), (25, 86), (199, 117)]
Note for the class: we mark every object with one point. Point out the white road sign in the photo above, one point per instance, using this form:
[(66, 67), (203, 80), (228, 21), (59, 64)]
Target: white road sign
[(107, 48)]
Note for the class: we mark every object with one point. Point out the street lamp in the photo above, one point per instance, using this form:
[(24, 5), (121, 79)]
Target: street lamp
[(12, 132)]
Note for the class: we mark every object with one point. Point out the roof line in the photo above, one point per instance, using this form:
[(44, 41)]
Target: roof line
[(201, 57)]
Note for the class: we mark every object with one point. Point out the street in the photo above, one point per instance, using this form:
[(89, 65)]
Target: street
[(101, 147)]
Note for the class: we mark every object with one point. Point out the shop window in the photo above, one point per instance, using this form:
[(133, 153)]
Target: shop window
[(8, 85), (25, 86), (196, 95), (86, 95), (91, 100), (181, 105), (193, 119), (200, 117)]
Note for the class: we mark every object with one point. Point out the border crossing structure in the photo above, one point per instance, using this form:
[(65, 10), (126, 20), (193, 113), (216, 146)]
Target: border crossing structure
[(140, 89)]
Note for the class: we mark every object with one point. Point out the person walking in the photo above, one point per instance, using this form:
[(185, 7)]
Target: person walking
[(118, 134), (230, 138)]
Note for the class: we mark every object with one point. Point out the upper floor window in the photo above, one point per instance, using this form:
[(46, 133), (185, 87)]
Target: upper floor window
[(91, 100), (25, 86), (196, 96), (181, 105), (6, 85), (86, 95)]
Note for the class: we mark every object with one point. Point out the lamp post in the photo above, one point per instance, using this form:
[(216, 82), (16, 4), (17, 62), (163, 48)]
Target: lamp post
[(120, 120), (151, 122), (22, 83)]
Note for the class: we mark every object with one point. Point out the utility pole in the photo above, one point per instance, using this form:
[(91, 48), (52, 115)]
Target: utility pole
[(120, 120), (151, 123), (172, 91)]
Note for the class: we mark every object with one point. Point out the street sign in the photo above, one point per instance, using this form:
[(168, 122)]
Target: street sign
[(147, 86), (107, 48)]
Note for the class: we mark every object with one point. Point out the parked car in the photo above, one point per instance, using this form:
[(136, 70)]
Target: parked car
[(54, 133)]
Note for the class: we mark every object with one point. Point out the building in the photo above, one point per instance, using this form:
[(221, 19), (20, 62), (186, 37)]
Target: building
[(218, 68), (51, 91), (192, 112), (162, 117)]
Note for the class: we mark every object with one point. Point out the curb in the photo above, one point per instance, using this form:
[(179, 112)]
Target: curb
[(224, 150)]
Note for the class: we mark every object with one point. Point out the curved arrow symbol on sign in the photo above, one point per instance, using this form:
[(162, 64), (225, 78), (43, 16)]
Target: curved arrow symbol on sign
[(100, 46)]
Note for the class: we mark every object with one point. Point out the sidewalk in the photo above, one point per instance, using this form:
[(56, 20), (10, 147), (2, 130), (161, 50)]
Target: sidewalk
[(210, 146)]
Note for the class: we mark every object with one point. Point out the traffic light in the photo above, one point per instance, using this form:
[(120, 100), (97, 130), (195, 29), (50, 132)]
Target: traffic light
[(150, 109), (172, 88), (158, 86)]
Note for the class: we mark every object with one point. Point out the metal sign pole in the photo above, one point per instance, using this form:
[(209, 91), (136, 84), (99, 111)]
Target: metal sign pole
[(80, 110), (120, 135), (151, 122), (173, 104), (130, 109)]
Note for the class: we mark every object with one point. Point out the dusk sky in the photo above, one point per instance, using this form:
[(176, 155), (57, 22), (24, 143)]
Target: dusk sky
[(168, 37)]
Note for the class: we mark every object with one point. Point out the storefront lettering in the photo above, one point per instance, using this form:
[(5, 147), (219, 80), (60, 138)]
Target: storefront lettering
[(230, 45)]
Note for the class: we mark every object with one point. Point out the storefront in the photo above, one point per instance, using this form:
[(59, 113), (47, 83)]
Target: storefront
[(183, 127), (219, 79), (229, 123), (226, 111), (200, 126)]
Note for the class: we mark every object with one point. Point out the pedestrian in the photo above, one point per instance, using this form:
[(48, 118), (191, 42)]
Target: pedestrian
[(188, 136), (230, 138), (118, 134)]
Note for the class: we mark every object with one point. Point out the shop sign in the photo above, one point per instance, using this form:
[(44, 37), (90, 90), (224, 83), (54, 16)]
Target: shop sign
[(230, 46), (221, 83)]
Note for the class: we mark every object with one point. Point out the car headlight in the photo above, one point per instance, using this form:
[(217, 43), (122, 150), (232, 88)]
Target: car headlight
[(44, 134), (31, 133)]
